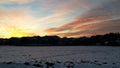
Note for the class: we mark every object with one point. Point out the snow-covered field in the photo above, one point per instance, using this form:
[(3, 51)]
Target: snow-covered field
[(59, 56)]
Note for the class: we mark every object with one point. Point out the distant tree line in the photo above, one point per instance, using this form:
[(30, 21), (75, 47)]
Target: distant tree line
[(110, 39)]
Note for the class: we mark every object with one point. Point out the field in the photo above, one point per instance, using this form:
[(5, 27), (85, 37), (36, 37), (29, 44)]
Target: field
[(59, 56)]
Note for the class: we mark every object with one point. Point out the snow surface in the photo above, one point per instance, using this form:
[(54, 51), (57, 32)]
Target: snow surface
[(81, 56), (59, 66)]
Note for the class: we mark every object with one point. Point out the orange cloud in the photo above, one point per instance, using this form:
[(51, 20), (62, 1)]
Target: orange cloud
[(78, 22), (13, 31), (98, 25), (26, 22), (17, 17), (53, 18), (102, 18), (16, 23), (87, 30)]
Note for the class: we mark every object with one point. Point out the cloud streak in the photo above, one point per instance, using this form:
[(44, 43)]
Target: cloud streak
[(65, 18), (97, 20), (16, 22), (88, 30)]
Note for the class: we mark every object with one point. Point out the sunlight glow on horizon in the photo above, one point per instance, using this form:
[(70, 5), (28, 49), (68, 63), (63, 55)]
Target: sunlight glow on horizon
[(65, 18)]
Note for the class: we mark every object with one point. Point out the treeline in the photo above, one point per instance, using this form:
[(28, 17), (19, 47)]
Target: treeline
[(110, 39)]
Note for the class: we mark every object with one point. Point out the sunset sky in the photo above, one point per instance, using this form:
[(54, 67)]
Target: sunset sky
[(64, 18)]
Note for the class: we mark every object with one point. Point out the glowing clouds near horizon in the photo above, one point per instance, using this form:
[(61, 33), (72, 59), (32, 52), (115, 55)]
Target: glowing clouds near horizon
[(70, 18), (101, 19)]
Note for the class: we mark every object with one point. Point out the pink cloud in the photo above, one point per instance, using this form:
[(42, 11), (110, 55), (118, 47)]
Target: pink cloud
[(97, 20), (91, 29)]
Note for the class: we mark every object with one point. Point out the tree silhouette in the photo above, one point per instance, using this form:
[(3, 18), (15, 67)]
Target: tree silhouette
[(110, 39)]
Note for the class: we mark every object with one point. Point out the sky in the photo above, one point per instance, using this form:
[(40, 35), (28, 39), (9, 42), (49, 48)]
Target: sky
[(64, 18)]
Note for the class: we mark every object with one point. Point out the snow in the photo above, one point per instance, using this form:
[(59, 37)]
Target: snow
[(58, 66), (81, 56)]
